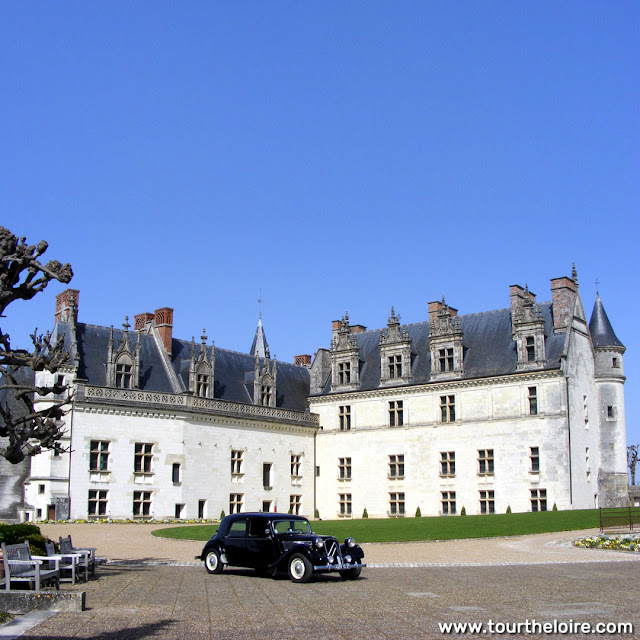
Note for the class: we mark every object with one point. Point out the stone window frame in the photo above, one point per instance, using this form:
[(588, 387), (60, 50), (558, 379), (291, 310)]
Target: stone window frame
[(534, 459), (143, 458), (486, 462), (344, 372), (203, 381), (448, 503), (487, 501), (612, 412), (296, 464), (142, 503), (97, 503), (397, 504), (344, 468), (124, 370), (236, 501), (447, 464), (533, 400), (448, 409), (237, 462), (538, 499), (345, 505), (295, 504), (396, 413), (99, 455), (267, 475), (176, 474), (396, 466), (344, 417)]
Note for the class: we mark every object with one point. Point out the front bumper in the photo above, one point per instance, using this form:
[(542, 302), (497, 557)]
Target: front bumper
[(338, 567)]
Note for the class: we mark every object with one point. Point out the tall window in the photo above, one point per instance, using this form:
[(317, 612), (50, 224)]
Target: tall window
[(123, 375), (396, 412), (345, 504), (344, 373), (265, 395), (99, 455), (485, 462), (295, 465), (235, 502), (396, 504), (535, 459), (98, 502), (344, 415), (236, 462), (266, 475), (202, 385), (533, 401), (445, 359), (143, 457), (531, 349), (142, 504), (344, 468), (396, 466), (487, 502), (175, 473), (448, 408), (295, 503), (394, 364), (448, 464), (538, 499), (448, 503)]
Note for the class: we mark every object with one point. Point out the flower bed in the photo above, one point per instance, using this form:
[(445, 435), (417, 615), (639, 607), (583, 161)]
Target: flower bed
[(129, 521), (618, 543)]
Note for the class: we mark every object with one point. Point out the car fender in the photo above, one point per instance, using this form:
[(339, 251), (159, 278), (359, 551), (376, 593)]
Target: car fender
[(295, 548)]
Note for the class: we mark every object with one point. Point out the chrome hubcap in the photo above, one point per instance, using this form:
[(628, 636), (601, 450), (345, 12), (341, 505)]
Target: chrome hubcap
[(297, 568), (212, 561)]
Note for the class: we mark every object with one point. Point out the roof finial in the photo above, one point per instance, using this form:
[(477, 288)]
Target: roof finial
[(126, 324), (203, 337), (574, 274), (597, 287), (260, 306)]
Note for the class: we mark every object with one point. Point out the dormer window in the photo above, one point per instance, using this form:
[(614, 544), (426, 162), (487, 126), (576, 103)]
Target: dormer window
[(531, 349), (201, 368), (445, 339), (395, 352), (345, 360), (395, 366), (266, 395), (527, 327), (123, 363), (202, 385), (344, 373), (264, 383), (445, 359), (123, 375)]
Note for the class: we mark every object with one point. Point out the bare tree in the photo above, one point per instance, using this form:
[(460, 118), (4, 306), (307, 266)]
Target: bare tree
[(632, 459), (28, 431)]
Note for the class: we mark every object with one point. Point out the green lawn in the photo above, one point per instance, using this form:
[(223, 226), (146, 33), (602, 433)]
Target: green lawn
[(438, 528)]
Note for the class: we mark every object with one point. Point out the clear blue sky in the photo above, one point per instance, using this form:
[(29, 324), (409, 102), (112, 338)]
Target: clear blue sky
[(336, 155)]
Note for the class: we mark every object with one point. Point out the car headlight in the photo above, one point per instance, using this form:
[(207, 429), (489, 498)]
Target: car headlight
[(350, 542), (319, 543)]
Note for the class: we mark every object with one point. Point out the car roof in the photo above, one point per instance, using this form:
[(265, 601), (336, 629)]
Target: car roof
[(262, 514)]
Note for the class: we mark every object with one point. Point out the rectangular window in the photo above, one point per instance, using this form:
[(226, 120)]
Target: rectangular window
[(295, 503), (345, 504), (202, 385), (615, 363), (487, 502), (179, 508), (344, 373), (485, 462), (295, 466), (236, 462), (445, 359), (344, 415), (448, 464), (448, 408), (266, 506), (98, 502), (535, 459), (266, 475), (611, 411), (142, 458), (533, 401), (531, 349), (175, 473), (99, 455), (235, 502), (201, 506), (396, 504), (123, 376), (538, 499), (344, 468), (448, 503), (396, 413), (396, 466), (265, 395), (142, 504), (41, 489), (394, 364)]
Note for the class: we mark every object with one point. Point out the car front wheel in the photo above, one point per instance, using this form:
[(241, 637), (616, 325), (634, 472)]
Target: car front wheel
[(212, 561), (300, 568), (350, 574)]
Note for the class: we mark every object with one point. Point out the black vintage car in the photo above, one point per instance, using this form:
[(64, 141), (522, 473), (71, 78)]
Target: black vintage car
[(272, 542)]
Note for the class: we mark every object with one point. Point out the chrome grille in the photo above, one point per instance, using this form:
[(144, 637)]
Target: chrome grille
[(333, 551)]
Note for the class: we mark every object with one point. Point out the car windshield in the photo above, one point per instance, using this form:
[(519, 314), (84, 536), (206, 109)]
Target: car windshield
[(291, 526)]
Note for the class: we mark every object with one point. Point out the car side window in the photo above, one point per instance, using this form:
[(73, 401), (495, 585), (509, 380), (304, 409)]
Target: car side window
[(257, 527), (238, 529)]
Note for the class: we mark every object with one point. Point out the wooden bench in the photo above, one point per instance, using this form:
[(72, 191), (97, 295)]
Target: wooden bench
[(21, 566), (88, 554), (70, 563)]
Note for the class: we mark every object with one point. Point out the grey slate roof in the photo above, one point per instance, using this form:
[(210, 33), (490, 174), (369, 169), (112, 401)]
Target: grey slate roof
[(602, 333), (488, 348), (230, 372)]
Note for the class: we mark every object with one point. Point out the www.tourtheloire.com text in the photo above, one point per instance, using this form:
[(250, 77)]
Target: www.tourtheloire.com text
[(533, 627)]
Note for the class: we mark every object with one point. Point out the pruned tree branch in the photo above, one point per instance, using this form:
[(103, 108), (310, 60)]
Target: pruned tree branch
[(28, 430)]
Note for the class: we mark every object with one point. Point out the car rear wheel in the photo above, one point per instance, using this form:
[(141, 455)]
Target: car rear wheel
[(300, 568), (350, 574), (212, 561)]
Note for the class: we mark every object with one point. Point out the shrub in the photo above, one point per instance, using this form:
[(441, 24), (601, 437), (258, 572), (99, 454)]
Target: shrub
[(316, 514), (418, 513), (222, 514), (508, 508), (555, 507), (17, 533), (463, 512), (364, 513)]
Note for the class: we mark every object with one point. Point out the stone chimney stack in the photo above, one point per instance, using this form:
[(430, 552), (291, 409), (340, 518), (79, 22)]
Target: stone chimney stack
[(435, 307), (142, 321), (518, 296), (164, 325), (302, 361), (67, 306), (563, 294)]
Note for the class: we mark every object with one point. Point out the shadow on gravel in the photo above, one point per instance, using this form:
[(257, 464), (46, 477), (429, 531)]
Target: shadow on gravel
[(131, 633)]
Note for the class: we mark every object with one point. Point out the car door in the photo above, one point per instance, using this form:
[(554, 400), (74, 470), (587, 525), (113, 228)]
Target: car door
[(261, 546), (235, 543)]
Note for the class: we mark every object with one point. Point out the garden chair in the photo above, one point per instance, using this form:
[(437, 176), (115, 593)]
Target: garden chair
[(21, 566), (88, 554), (70, 563)]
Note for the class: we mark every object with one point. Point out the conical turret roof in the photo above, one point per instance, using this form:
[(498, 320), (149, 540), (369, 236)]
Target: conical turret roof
[(602, 333), (260, 346)]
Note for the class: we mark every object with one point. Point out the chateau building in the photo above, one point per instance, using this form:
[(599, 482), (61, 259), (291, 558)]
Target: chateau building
[(519, 408)]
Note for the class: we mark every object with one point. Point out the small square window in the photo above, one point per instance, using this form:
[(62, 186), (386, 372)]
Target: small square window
[(611, 411)]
